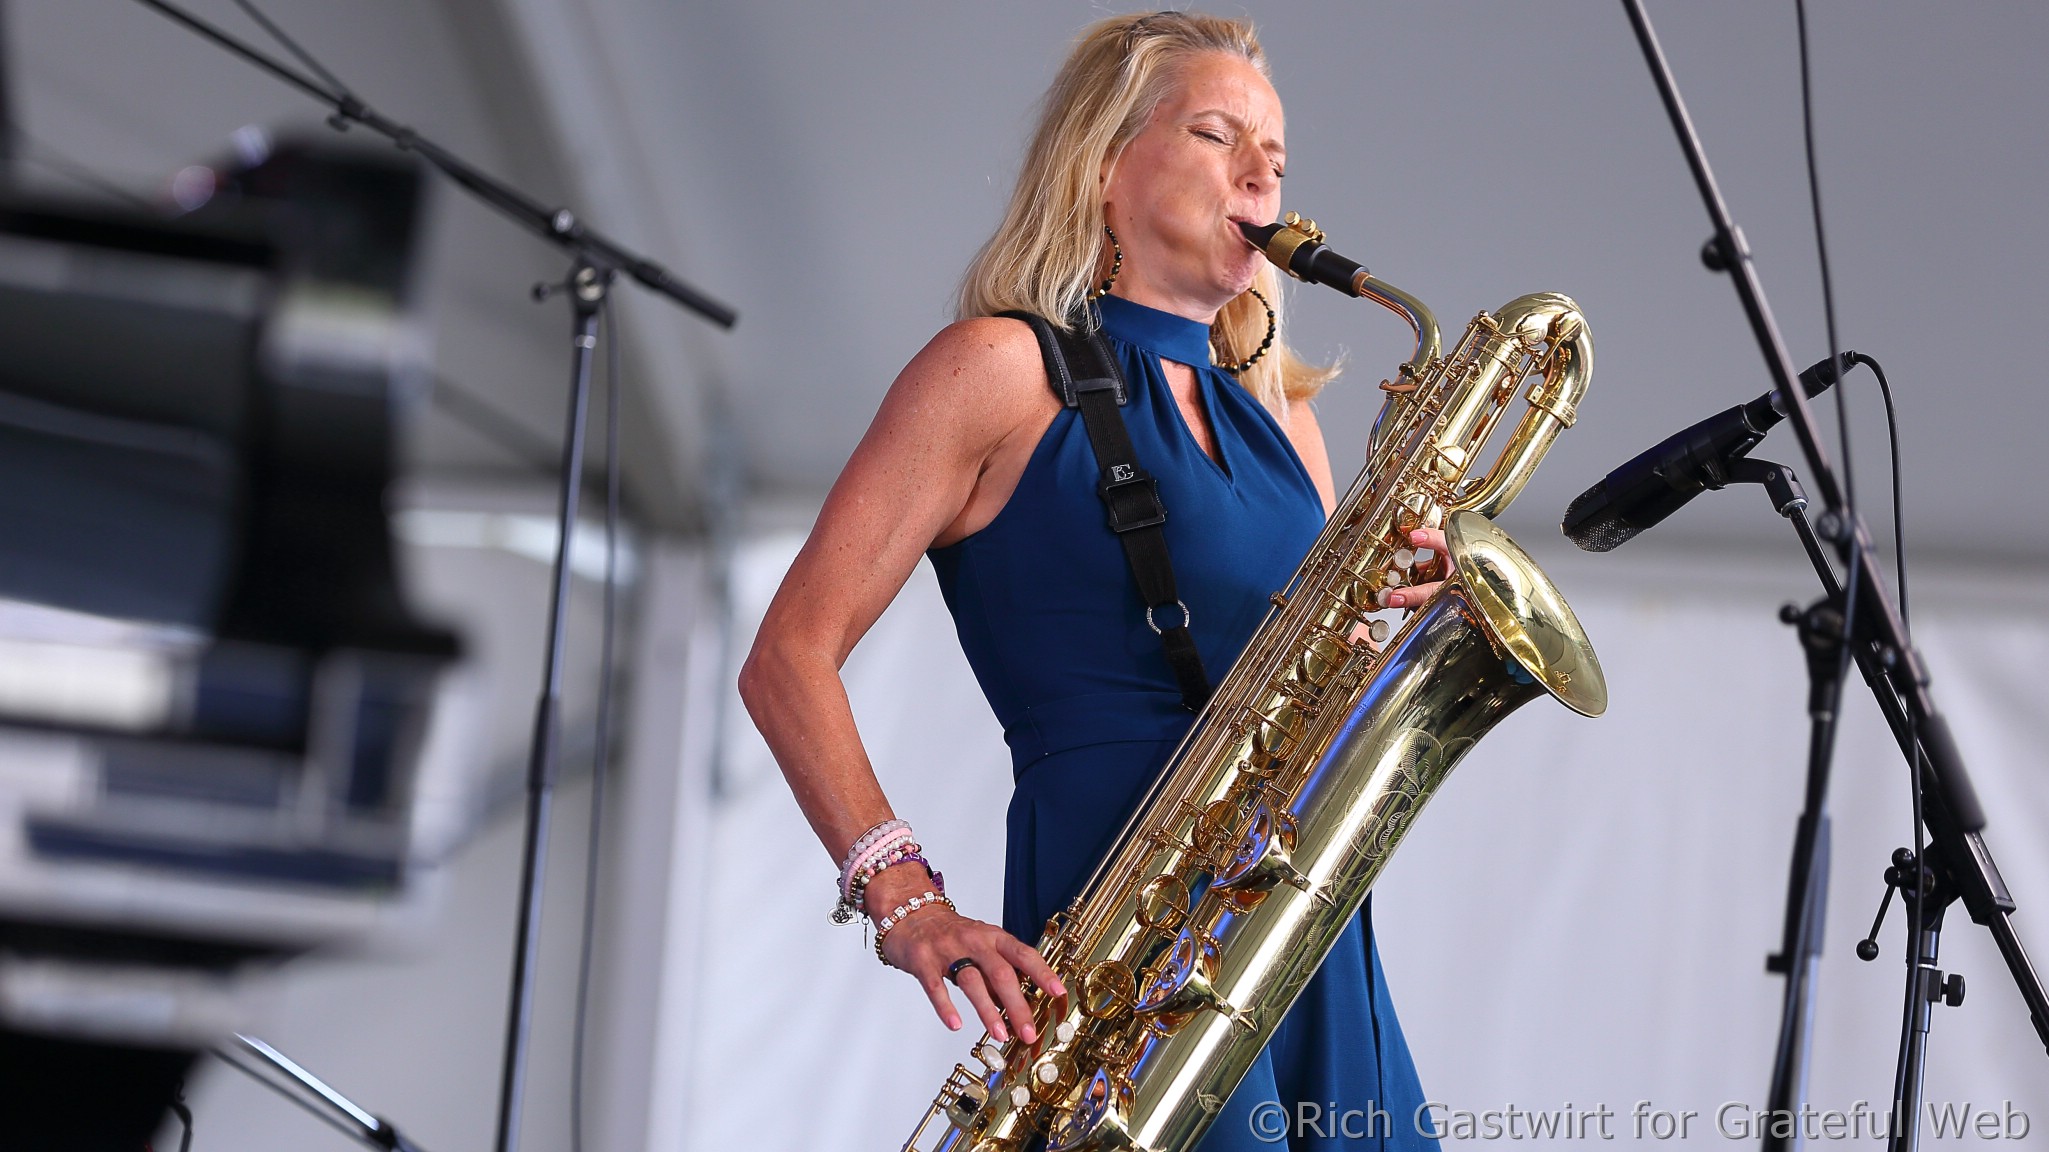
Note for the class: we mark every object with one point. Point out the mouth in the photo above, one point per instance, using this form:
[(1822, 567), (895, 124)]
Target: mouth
[(1243, 226)]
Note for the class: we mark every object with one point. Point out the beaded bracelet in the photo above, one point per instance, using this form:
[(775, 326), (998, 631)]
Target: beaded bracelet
[(862, 867), (869, 859), (859, 899), (862, 841), (883, 926), (853, 903), (877, 842)]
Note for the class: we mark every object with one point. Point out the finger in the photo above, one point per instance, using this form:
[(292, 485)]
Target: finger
[(942, 1001), (1431, 538), (1027, 960), (1001, 979), (1411, 596), (976, 985)]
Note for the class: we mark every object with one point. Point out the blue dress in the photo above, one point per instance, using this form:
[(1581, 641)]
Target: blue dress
[(1052, 623)]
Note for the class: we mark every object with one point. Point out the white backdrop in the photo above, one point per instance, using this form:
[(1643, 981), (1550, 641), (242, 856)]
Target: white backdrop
[(1581, 919)]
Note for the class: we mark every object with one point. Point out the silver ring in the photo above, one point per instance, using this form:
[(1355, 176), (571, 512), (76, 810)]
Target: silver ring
[(1186, 617)]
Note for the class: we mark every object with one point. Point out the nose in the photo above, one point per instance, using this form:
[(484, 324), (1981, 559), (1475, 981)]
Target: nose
[(1257, 174)]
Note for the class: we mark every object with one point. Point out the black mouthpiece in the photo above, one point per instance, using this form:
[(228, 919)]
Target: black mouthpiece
[(1260, 234), (1310, 260)]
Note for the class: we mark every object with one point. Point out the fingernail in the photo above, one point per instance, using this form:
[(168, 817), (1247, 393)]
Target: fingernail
[(1031, 1036)]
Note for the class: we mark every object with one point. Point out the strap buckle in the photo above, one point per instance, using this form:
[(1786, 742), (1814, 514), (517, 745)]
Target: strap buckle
[(1071, 391), (1131, 498), (1186, 617)]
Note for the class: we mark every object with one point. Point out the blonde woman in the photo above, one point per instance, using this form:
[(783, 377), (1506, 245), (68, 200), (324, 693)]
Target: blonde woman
[(1160, 133)]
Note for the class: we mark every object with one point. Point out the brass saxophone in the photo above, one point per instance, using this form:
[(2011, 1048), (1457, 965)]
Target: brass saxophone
[(1262, 836)]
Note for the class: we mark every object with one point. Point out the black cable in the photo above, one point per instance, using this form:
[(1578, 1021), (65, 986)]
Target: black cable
[(1854, 575), (1899, 529), (600, 753), (340, 91), (1828, 290), (183, 1112), (1916, 912)]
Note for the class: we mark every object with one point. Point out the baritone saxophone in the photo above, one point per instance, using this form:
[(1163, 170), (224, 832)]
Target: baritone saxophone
[(1259, 841)]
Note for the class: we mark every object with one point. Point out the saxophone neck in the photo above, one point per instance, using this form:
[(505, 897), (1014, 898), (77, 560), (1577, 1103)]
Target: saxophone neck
[(1429, 344), (1295, 246)]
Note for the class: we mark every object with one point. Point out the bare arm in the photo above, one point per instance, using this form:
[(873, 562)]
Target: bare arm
[(929, 468)]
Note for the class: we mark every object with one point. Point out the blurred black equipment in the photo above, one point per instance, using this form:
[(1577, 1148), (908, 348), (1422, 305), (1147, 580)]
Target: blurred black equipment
[(1659, 481), (595, 261), (212, 694), (1860, 617)]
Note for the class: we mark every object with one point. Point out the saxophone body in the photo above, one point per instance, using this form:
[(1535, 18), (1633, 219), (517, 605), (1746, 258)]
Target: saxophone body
[(1259, 842)]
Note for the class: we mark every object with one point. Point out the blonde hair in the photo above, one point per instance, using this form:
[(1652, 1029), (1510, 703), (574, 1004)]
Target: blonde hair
[(1045, 255)]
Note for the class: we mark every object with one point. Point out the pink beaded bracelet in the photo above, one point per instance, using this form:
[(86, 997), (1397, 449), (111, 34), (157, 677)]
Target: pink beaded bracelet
[(863, 865)]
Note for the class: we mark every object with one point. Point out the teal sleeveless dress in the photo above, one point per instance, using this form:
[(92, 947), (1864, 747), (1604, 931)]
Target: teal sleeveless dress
[(1052, 623)]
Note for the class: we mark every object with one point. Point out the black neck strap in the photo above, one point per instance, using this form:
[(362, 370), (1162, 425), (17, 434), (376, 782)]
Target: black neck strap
[(1084, 375)]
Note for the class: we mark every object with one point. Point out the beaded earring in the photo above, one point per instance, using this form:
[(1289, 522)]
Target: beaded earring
[(1271, 325), (1116, 266)]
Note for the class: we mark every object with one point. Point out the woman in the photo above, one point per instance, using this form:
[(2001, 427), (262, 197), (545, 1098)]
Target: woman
[(1160, 133)]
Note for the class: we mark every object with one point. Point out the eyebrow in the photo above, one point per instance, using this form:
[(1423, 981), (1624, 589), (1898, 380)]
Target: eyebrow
[(1270, 144)]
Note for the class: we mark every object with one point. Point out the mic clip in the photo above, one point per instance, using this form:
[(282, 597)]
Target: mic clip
[(1780, 483)]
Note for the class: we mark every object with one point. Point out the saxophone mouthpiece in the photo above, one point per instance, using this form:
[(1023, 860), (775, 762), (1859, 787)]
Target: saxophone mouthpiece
[(1296, 247), (1259, 235)]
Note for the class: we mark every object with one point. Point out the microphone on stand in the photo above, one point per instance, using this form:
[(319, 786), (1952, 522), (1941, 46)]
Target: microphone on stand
[(1660, 481)]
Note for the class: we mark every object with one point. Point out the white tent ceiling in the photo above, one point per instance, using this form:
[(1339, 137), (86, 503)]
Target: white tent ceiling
[(828, 168), (848, 158)]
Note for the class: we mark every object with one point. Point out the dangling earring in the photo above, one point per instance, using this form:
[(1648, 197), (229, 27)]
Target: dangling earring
[(1271, 326), (1116, 266)]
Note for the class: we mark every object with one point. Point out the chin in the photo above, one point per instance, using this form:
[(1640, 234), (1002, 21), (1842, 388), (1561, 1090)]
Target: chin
[(1243, 271), (1236, 284)]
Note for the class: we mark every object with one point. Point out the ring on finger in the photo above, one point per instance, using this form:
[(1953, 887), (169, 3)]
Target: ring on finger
[(954, 969)]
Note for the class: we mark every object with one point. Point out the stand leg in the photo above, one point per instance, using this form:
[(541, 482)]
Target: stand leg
[(587, 287), (1799, 957), (1925, 986)]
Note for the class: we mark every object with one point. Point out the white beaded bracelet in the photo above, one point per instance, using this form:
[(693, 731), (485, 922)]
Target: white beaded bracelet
[(883, 926)]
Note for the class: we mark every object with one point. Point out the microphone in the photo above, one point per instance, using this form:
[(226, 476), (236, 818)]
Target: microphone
[(1659, 482), (1297, 246)]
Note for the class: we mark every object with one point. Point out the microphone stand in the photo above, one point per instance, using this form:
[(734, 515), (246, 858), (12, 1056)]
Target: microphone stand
[(595, 261), (1957, 857)]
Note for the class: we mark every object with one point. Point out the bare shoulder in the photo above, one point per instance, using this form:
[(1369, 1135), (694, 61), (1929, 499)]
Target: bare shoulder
[(982, 374)]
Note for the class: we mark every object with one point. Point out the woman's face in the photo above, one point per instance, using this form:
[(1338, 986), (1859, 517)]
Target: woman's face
[(1211, 155)]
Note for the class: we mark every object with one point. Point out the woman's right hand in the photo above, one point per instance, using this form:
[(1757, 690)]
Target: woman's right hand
[(927, 942)]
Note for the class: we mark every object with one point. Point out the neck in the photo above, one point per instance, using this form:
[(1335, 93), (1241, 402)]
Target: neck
[(1189, 305)]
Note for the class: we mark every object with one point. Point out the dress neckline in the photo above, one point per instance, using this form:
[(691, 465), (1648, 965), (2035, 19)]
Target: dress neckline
[(1164, 334)]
